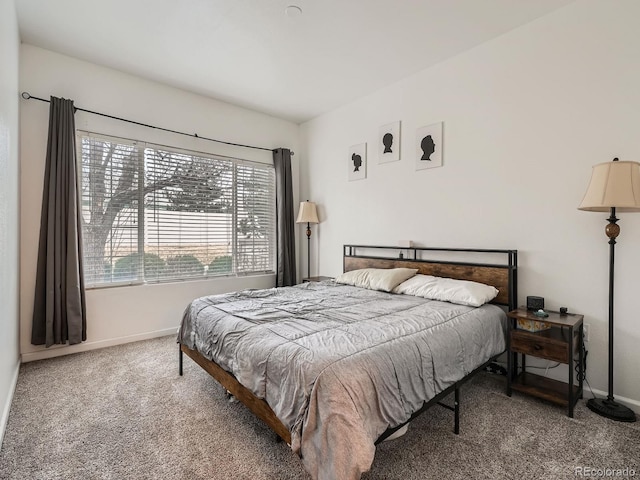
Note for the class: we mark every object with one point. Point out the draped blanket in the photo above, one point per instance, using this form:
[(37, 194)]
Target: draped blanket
[(339, 364)]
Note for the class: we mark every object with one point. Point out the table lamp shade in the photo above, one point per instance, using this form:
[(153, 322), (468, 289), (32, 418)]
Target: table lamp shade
[(613, 184), (307, 213)]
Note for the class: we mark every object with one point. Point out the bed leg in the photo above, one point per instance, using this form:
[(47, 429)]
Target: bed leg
[(180, 354), (456, 411)]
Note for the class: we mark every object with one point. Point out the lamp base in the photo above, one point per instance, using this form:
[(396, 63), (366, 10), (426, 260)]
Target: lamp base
[(611, 409)]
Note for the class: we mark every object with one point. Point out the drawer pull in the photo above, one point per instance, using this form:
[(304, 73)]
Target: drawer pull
[(537, 347)]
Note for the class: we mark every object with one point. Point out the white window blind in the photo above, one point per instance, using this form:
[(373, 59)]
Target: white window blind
[(154, 213)]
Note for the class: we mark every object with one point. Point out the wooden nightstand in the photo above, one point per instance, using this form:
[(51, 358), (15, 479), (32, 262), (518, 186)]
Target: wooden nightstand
[(560, 343), (316, 279)]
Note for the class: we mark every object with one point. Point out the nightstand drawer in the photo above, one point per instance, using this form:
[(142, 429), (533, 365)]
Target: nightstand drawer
[(539, 346)]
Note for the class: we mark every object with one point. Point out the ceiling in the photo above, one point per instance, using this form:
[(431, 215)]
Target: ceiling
[(249, 53)]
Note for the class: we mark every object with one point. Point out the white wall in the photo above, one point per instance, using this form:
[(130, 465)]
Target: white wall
[(9, 220), (525, 118), (116, 315)]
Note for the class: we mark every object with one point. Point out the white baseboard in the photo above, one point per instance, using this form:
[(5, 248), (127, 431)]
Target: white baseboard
[(57, 351), (627, 402), (7, 405)]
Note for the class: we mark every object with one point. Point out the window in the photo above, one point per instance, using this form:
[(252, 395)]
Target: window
[(153, 213)]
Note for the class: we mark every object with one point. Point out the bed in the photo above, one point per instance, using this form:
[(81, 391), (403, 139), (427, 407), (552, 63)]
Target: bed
[(334, 369)]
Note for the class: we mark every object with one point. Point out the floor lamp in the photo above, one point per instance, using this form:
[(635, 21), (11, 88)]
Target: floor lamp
[(614, 186), (308, 214)]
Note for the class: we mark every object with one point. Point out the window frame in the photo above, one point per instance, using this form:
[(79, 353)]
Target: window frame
[(237, 162)]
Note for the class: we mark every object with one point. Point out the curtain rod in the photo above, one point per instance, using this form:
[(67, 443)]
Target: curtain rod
[(28, 96)]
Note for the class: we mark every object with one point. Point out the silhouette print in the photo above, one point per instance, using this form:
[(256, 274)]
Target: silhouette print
[(357, 162), (428, 147), (387, 141)]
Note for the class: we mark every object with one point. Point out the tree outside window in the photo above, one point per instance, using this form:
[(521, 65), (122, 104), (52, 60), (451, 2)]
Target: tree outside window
[(154, 213)]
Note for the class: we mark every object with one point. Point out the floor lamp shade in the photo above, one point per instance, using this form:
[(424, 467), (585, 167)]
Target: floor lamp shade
[(614, 186), (308, 213)]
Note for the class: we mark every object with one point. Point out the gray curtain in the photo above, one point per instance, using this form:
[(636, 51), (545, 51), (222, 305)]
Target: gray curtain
[(286, 241), (59, 313)]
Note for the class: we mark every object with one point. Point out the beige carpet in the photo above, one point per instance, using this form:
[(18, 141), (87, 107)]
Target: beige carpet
[(124, 413)]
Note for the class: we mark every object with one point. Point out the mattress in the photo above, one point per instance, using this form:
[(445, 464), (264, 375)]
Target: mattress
[(338, 364)]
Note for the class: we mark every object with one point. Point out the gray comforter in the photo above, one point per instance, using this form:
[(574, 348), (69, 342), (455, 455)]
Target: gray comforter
[(340, 364)]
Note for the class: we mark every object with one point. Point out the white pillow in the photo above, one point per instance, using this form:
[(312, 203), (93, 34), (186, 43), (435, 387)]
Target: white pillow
[(462, 292), (385, 279)]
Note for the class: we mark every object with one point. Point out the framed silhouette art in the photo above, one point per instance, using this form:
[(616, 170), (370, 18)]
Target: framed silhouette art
[(357, 162), (429, 146), (389, 143)]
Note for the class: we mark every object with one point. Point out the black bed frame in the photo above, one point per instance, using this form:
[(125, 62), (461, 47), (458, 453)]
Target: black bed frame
[(427, 261)]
